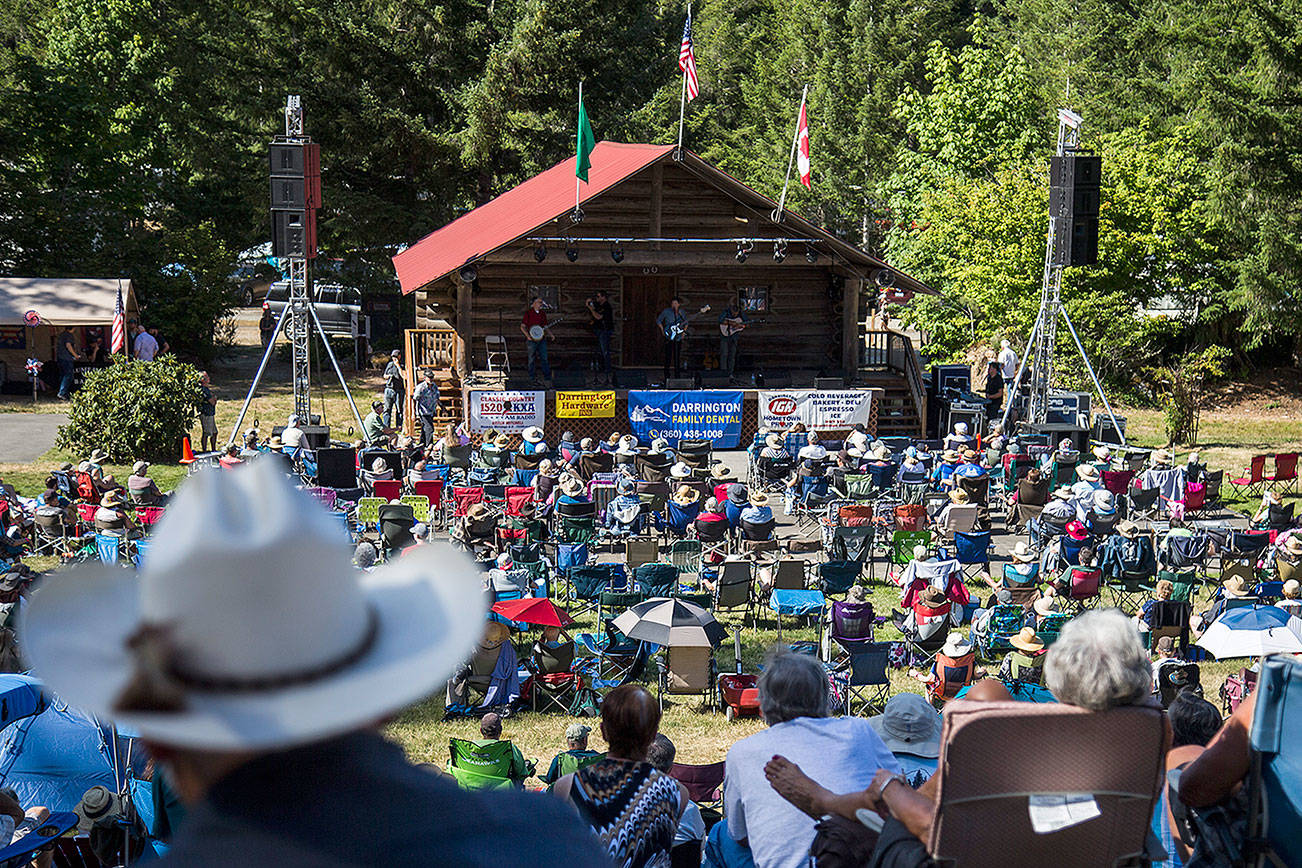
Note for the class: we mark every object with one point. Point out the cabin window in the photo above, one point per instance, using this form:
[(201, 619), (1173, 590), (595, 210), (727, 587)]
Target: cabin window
[(753, 299), (549, 293)]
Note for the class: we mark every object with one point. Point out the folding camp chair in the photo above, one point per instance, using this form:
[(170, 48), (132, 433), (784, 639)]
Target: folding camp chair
[(576, 528), (1169, 618), (972, 551), (1275, 812), (901, 551), (867, 680), (797, 603), (787, 574), (1083, 584), (367, 512), (587, 583), (1212, 482), (1253, 479), (49, 536), (1006, 621), (716, 542), (482, 767), (639, 551), (695, 453), (25, 850), (859, 487), (656, 579), (1175, 677), (387, 489), (837, 577), (419, 506), (982, 818), (619, 659), (464, 497), (734, 585), (688, 670), (1144, 503), (704, 784), (1051, 627), (685, 554), (678, 518), (518, 500), (553, 684), (1130, 589), (85, 486), (395, 522), (432, 490), (910, 517), (108, 546)]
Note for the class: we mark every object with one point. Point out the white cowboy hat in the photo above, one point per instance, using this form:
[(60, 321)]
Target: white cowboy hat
[(198, 635), (680, 470), (1047, 604), (1022, 553), (956, 645), (908, 724), (1128, 529), (627, 445), (721, 472), (1103, 453), (659, 445), (97, 456), (571, 485), (1087, 472), (533, 434), (1105, 503), (1235, 586), (1162, 456), (951, 456), (958, 496), (773, 441)]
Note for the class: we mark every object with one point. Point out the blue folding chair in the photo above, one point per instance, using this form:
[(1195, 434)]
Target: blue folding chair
[(972, 551), (141, 547), (796, 603), (109, 547), (1275, 815), (679, 518)]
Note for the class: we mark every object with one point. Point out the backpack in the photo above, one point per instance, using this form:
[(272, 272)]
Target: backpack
[(587, 703)]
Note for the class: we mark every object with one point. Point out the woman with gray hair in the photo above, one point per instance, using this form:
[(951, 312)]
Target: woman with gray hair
[(1099, 663)]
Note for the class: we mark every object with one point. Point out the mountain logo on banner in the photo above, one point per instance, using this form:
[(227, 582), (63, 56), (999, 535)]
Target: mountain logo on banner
[(644, 413)]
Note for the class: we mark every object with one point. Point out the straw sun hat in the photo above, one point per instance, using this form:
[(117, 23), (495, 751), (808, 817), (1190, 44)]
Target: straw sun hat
[(192, 650)]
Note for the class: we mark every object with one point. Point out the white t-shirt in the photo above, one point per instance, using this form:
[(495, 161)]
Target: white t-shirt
[(841, 753), (691, 825), (291, 437), (146, 347), (1008, 363), (813, 451)]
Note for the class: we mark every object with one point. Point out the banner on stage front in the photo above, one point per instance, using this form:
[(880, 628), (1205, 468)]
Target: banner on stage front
[(511, 412), (703, 415), (780, 410), (585, 405)]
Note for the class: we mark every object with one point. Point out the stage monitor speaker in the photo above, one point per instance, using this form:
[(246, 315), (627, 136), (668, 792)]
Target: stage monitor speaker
[(336, 468), (1105, 432), (316, 436), (821, 383), (629, 379), (680, 383)]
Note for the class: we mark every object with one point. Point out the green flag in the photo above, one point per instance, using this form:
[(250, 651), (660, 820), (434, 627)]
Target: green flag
[(586, 142)]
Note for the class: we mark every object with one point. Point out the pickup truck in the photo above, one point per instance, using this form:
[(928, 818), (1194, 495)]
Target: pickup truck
[(335, 305)]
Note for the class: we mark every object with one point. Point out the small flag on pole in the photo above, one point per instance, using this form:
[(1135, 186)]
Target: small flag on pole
[(802, 146), (119, 338), (586, 142), (687, 60)]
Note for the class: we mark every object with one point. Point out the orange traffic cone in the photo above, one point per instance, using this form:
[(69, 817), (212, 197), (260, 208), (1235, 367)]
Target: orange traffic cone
[(187, 453)]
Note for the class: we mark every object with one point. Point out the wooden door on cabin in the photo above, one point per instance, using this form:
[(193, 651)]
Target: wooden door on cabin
[(644, 296)]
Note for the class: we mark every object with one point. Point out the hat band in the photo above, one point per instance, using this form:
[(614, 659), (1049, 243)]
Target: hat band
[(158, 676)]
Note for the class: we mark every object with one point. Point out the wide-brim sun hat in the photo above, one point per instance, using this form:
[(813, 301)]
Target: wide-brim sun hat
[(721, 472), (198, 635), (1128, 529), (759, 498), (110, 499), (1292, 544), (686, 495), (571, 485), (1087, 472), (908, 724), (933, 597), (1046, 605), (1062, 493), (532, 434), (1235, 586), (951, 456), (680, 470), (773, 441), (958, 495), (97, 456), (956, 645), (1104, 502), (1103, 453), (1027, 641), (1022, 553)]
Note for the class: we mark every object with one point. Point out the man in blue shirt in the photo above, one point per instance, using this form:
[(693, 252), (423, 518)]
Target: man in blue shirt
[(731, 323), (672, 318)]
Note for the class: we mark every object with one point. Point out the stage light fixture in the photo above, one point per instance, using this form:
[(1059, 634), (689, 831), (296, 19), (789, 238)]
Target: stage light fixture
[(743, 250), (572, 253), (617, 254), (779, 250), (540, 252), (811, 255), (469, 274)]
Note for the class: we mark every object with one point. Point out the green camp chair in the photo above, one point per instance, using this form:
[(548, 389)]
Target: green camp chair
[(902, 543), (686, 555), (419, 504), (569, 764), (481, 767), (368, 512)]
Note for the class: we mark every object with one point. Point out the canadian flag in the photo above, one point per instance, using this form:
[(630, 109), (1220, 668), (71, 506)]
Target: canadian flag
[(802, 146)]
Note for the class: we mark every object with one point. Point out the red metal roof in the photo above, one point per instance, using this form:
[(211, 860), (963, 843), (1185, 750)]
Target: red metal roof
[(517, 212)]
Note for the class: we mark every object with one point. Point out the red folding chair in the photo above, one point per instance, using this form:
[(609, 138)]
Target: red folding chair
[(516, 498), (86, 515), (1254, 479), (910, 516), (1285, 472), (389, 489), (465, 497), (1117, 481), (1195, 497), (433, 490), (86, 486), (148, 516), (704, 783)]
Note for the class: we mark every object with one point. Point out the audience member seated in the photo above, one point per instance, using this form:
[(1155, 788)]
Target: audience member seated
[(624, 513), (1052, 520), (912, 471), (761, 825), (377, 472), (1194, 723), (910, 728), (576, 753), (1025, 662), (813, 450), (55, 516), (373, 428), (632, 806), (504, 578), (492, 670), (1048, 603), (533, 442), (757, 511), (142, 490), (1097, 664), (572, 490), (231, 458), (690, 836), (709, 516), (943, 475), (112, 516), (953, 669), (490, 730), (958, 438), (1101, 519), (420, 472), (1032, 495), (1291, 602)]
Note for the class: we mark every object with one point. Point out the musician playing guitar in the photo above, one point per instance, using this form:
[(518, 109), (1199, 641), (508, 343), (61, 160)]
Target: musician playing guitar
[(534, 328), (731, 324)]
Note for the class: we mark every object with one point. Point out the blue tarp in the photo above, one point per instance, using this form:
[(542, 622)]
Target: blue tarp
[(20, 696)]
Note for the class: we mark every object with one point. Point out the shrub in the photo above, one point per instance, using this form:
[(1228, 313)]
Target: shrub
[(134, 410)]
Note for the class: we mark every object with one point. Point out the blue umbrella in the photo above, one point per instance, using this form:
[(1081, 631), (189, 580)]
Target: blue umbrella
[(1253, 631)]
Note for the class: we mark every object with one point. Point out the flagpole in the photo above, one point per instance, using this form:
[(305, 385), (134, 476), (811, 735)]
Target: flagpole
[(782, 201), (682, 99), (577, 179)]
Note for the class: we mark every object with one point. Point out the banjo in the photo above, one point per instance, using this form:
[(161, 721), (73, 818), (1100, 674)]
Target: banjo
[(539, 332), (675, 331)]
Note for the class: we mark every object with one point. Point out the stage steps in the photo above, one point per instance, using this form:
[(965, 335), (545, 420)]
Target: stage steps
[(897, 414)]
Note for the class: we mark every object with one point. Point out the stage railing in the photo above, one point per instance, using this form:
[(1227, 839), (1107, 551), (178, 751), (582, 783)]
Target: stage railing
[(437, 349), (891, 350)]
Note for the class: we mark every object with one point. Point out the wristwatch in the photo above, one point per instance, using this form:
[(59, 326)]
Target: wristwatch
[(886, 783)]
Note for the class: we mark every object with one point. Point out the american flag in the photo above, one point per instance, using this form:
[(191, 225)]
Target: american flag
[(687, 60), (119, 325)]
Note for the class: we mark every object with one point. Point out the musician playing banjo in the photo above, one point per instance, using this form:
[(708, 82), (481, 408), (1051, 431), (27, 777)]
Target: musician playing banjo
[(534, 328), (673, 326), (731, 324)]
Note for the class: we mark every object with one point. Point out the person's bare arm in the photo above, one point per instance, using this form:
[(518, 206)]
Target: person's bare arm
[(1224, 764)]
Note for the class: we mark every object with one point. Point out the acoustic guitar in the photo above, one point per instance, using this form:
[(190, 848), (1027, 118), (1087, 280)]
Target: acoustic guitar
[(730, 327)]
